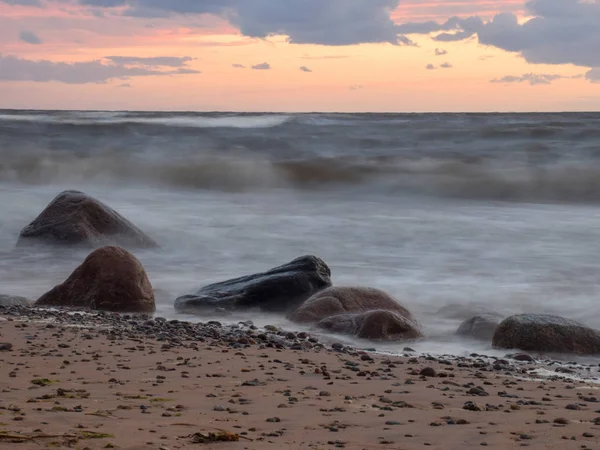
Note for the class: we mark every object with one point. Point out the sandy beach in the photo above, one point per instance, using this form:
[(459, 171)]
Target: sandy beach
[(108, 381)]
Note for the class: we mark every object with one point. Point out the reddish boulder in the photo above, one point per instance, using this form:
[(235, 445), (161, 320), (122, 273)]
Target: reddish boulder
[(375, 325), (346, 300), (363, 312), (110, 279)]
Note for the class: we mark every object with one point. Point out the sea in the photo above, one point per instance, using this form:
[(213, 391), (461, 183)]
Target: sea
[(497, 212)]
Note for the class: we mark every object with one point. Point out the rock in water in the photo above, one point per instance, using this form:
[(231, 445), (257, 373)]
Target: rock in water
[(546, 333), (360, 311), (482, 327), (375, 325), (280, 289), (74, 218), (344, 300), (9, 300), (110, 279)]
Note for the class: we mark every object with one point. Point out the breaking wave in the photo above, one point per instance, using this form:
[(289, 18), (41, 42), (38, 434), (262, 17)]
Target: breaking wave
[(511, 157), (105, 119), (561, 182)]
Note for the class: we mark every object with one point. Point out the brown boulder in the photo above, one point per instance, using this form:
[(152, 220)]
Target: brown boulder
[(546, 333), (110, 279), (74, 218), (335, 301), (375, 325)]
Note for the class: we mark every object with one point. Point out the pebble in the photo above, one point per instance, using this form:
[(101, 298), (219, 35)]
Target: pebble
[(5, 346)]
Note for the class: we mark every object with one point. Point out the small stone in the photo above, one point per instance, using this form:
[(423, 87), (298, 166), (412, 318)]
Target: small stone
[(5, 346), (428, 372), (477, 391), (470, 406)]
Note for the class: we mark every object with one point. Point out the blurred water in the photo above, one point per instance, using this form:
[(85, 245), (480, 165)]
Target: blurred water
[(427, 252)]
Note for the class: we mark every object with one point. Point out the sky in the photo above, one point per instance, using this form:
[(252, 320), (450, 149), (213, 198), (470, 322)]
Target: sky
[(301, 55)]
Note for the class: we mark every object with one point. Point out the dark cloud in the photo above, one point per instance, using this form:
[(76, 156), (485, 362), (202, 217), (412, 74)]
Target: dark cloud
[(238, 66), (593, 75), (30, 37), (37, 3), (330, 22), (430, 67), (440, 52), (20, 69), (305, 69), (446, 65), (559, 32), (533, 79), (262, 66), (356, 87), (155, 61)]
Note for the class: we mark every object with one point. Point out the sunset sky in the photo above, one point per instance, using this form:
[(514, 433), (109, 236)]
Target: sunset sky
[(301, 55)]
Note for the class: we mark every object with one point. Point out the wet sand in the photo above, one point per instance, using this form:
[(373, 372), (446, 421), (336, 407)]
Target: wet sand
[(126, 385)]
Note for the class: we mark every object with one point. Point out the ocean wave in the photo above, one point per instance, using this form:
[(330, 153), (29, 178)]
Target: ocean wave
[(443, 177), (92, 118)]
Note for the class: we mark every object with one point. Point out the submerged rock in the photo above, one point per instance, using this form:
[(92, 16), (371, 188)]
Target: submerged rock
[(546, 333), (281, 289), (343, 300), (9, 300), (74, 218), (360, 311), (482, 326), (375, 325), (110, 279)]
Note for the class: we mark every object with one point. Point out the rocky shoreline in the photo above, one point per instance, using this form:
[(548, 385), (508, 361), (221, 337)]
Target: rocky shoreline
[(72, 379), (184, 334)]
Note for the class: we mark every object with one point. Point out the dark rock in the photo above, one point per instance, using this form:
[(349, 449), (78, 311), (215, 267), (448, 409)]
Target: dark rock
[(281, 289), (335, 301), (110, 279), (470, 406), (74, 218), (374, 325), (9, 300), (5, 346), (480, 327), (523, 357), (546, 333), (428, 372), (477, 391)]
